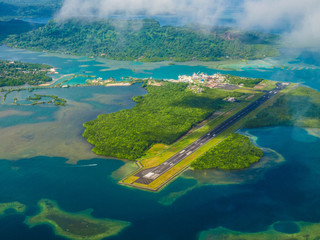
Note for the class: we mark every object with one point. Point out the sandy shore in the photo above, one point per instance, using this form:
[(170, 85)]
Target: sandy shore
[(54, 81), (117, 84)]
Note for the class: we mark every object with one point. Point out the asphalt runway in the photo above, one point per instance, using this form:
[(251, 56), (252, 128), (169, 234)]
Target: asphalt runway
[(147, 176)]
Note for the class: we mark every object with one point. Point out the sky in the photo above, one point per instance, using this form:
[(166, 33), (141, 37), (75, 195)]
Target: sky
[(298, 20)]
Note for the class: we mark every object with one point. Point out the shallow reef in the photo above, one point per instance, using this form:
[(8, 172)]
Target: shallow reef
[(75, 225)]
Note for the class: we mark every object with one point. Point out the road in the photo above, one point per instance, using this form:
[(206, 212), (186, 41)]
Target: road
[(147, 176)]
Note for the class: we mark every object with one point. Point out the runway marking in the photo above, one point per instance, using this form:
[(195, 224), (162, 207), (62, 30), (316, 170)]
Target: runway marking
[(178, 157)]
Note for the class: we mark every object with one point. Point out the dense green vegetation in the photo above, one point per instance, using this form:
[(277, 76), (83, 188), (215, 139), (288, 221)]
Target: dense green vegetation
[(145, 40), (300, 107), (246, 82), (55, 99), (162, 116), (74, 226), (233, 153), (18, 73)]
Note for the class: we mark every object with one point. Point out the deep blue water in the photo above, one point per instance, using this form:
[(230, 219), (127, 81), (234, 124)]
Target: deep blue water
[(289, 191), (287, 227)]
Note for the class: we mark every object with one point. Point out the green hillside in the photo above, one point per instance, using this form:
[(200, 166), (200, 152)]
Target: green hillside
[(146, 40)]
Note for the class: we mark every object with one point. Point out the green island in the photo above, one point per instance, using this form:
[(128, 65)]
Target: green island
[(55, 99), (75, 225), (146, 40), (278, 230), (299, 107), (35, 100), (173, 115), (164, 115), (18, 73), (233, 153), (15, 206)]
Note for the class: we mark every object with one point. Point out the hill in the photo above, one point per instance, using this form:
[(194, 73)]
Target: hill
[(146, 40)]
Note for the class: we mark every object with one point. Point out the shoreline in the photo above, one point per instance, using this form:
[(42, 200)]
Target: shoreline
[(48, 84)]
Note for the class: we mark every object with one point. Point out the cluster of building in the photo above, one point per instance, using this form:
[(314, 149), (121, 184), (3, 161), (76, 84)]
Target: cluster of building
[(52, 71), (199, 80), (205, 80), (99, 81)]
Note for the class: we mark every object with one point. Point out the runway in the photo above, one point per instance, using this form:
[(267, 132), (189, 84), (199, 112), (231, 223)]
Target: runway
[(147, 176)]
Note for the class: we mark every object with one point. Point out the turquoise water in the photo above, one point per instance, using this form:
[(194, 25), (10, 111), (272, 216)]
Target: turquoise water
[(78, 94), (290, 67), (287, 191)]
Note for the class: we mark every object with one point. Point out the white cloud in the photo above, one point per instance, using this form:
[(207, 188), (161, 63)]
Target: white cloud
[(299, 19), (204, 11)]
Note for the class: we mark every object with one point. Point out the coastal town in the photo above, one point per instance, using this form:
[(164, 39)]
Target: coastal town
[(197, 82), (210, 81)]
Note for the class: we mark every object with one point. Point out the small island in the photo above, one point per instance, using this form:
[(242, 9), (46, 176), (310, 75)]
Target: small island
[(233, 153), (75, 225), (15, 206), (54, 99), (279, 230)]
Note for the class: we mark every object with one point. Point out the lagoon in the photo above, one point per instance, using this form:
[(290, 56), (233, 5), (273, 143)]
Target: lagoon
[(45, 157), (290, 67)]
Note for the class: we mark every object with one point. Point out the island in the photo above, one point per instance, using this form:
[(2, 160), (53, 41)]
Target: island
[(191, 122), (146, 40), (18, 73), (75, 225), (279, 230), (165, 114), (15, 206), (179, 122), (233, 153), (53, 99)]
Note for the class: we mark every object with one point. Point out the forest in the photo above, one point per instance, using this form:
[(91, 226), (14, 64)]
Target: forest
[(300, 107), (246, 82), (18, 73), (233, 153), (146, 40), (55, 99), (163, 115)]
